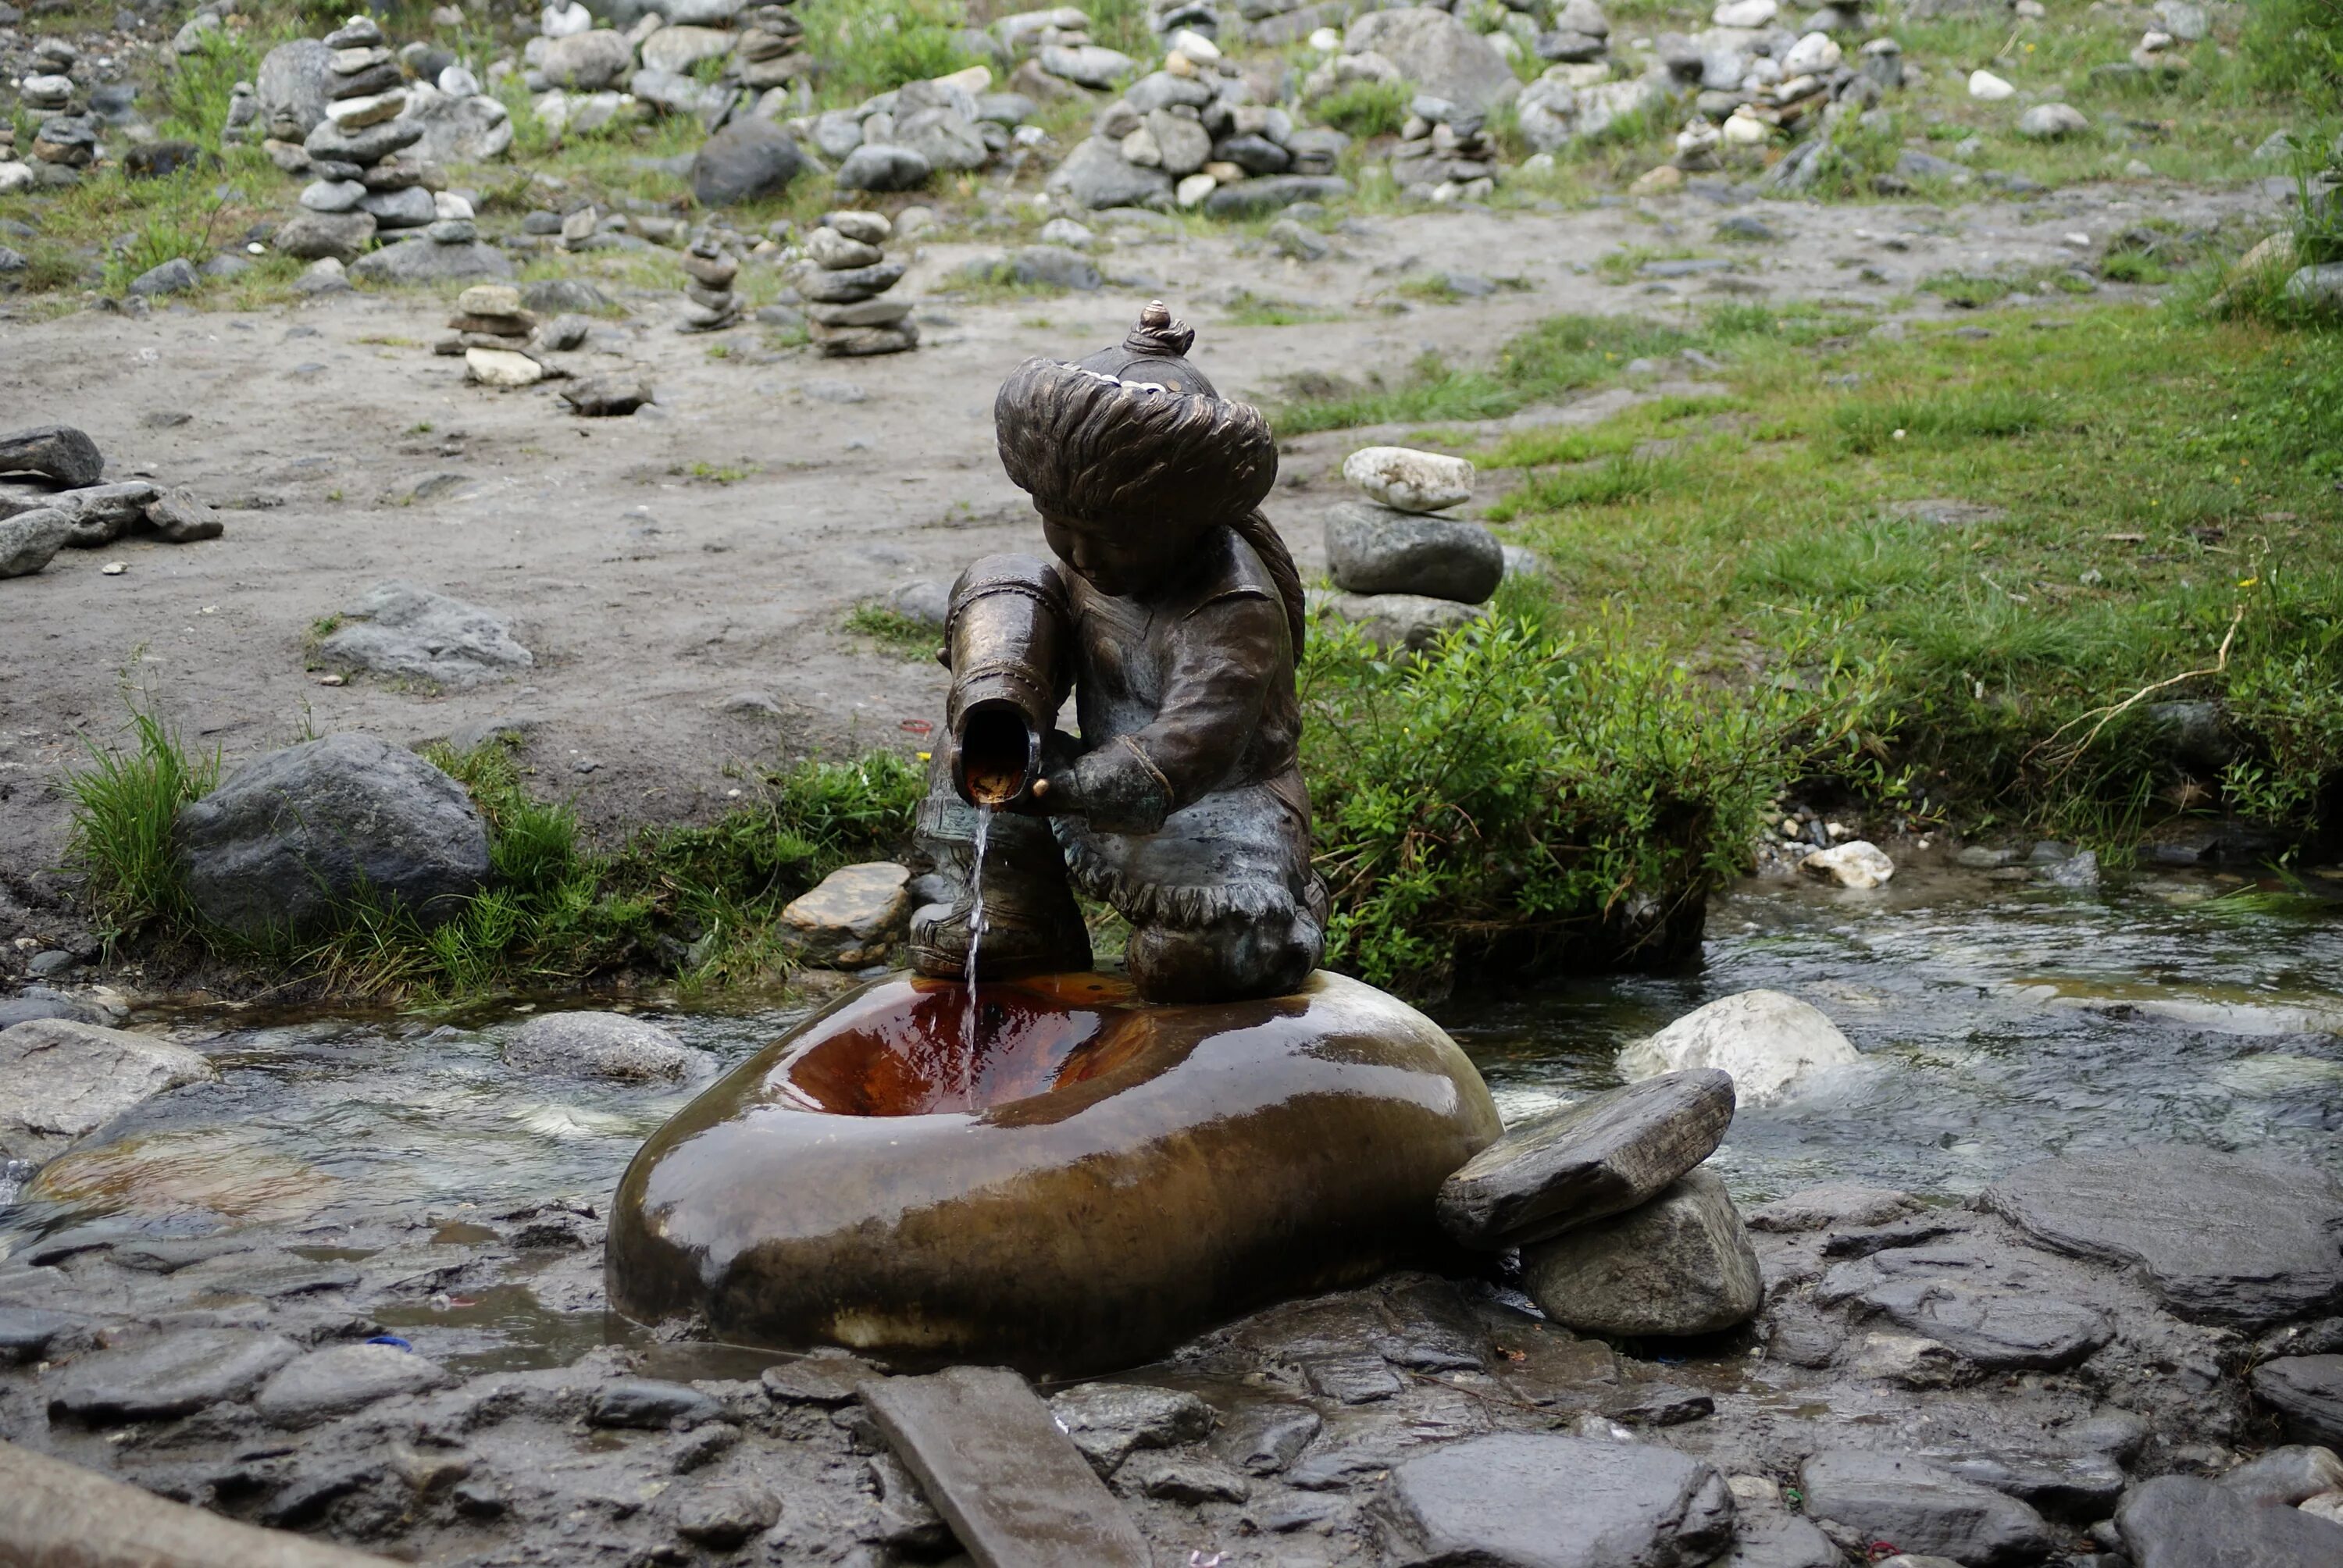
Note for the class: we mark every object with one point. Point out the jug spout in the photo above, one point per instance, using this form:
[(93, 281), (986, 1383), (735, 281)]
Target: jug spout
[(1006, 645)]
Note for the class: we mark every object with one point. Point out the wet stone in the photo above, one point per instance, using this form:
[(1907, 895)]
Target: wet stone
[(995, 1465), (1659, 1404), (1999, 1330), (175, 1375), (649, 1404), (1108, 1421), (1602, 1156), (1193, 1481), (827, 1378), (60, 1081), (723, 1516), (1543, 1501), (1265, 1438), (1352, 1379), (1681, 1264), (26, 1333), (2221, 1238), (2289, 1475), (333, 1383), (2308, 1393), (2183, 1521), (1922, 1508), (607, 1045), (2076, 1485)]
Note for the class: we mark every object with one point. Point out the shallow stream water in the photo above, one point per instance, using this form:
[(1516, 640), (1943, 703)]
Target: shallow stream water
[(1998, 1023)]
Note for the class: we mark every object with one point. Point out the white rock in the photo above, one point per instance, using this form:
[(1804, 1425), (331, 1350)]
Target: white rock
[(852, 917), (2327, 1505), (1766, 1040), (1325, 40), (1191, 191), (2051, 122), (353, 114), (1989, 88), (1814, 53), (15, 176), (1408, 479), (1743, 129), (1196, 47), (1856, 864), (60, 1081), (449, 205), (1745, 13), (502, 367), (564, 21), (458, 83), (1065, 231)]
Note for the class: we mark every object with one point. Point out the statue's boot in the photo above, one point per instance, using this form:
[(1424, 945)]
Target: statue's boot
[(1032, 924), (1233, 958)]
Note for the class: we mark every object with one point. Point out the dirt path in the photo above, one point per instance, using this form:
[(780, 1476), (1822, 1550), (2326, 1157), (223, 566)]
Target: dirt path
[(651, 596)]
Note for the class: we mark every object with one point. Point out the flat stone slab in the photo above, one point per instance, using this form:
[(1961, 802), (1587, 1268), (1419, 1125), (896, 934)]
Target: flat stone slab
[(2221, 1239), (2181, 1522), (1600, 1157), (1014, 1489), (331, 1382), (175, 1375), (2307, 1390), (1107, 1420), (1923, 1508), (52, 1511), (1997, 1329), (1546, 1501), (60, 1081)]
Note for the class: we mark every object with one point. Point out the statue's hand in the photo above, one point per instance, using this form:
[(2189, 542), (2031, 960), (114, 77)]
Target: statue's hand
[(1058, 792)]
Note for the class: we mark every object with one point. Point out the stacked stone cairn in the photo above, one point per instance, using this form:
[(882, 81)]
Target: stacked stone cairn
[(1194, 133), (1407, 575), (1621, 1232), (710, 304), (52, 496), (843, 280), (499, 339), (65, 137)]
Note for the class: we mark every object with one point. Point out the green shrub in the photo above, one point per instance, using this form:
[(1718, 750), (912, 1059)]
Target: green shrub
[(2291, 44), (1522, 799), (1366, 108)]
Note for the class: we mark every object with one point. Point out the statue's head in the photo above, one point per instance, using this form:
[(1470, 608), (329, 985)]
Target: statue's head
[(1131, 456)]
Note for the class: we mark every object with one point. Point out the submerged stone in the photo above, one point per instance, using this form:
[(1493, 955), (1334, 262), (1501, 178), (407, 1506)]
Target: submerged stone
[(1098, 1181)]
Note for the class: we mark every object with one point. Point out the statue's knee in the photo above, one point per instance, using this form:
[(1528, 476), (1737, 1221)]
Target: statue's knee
[(1235, 957)]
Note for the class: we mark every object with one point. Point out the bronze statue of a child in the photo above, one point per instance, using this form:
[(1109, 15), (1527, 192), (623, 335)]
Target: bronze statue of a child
[(1181, 802)]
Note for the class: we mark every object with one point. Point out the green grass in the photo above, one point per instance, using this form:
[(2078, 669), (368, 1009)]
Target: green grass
[(1248, 309), (699, 904), (1366, 108), (864, 47), (896, 632), (1737, 529)]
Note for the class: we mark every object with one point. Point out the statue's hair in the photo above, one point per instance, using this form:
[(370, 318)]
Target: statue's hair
[(1108, 451)]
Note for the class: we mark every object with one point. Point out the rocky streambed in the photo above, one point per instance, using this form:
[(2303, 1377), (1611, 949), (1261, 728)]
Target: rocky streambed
[(2050, 1273)]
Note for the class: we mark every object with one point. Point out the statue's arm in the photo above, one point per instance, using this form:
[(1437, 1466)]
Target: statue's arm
[(1224, 654)]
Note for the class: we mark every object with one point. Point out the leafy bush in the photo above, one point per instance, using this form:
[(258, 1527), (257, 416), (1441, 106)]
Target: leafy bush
[(2293, 44), (1523, 800)]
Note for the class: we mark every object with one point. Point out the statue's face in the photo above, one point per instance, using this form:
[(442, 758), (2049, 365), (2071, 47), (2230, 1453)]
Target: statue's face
[(1129, 561)]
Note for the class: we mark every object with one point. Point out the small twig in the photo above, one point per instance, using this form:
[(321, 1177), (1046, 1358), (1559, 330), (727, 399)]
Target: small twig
[(2108, 714)]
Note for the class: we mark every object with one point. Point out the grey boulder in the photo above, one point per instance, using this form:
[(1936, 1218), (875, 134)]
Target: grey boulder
[(1054, 267), (591, 60), (310, 235), (944, 137), (429, 261), (1397, 622), (1372, 549), (1923, 1508), (2181, 1522), (60, 452), (181, 518), (1440, 52), (100, 514), (2291, 1475), (31, 540), (2220, 1238), (1682, 1264), (608, 1045), (745, 161), (60, 1080), (1095, 175), (295, 84), (327, 1383), (1600, 1157), (881, 166), (410, 633), (1997, 1329), (292, 838), (1258, 199), (177, 276), (1546, 1501)]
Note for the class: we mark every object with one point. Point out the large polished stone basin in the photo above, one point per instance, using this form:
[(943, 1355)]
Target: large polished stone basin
[(1103, 1180)]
